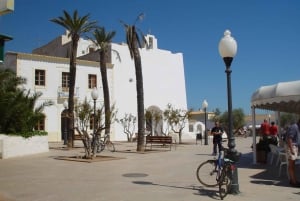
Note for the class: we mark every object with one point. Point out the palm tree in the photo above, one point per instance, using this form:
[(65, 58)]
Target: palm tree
[(103, 40), (134, 43), (77, 26)]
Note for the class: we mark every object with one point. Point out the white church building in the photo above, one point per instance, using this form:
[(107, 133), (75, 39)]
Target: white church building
[(47, 71)]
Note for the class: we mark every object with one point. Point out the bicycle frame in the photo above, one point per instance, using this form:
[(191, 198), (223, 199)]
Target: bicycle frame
[(217, 171), (226, 178)]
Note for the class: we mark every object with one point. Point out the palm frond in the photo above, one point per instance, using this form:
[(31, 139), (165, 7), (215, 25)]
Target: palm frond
[(75, 24), (140, 17)]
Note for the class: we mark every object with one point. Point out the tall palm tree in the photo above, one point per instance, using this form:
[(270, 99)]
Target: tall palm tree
[(77, 26), (134, 43), (103, 40)]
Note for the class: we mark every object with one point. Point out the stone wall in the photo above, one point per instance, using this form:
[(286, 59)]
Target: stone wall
[(13, 146)]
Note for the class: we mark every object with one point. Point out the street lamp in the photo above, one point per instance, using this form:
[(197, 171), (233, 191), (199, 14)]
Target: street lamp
[(95, 95), (204, 106), (227, 50), (65, 122)]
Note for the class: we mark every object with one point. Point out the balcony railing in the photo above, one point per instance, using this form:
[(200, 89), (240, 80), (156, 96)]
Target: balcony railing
[(63, 92)]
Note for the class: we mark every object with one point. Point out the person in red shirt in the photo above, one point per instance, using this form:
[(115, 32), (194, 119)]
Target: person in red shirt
[(273, 129), (265, 128), (273, 132)]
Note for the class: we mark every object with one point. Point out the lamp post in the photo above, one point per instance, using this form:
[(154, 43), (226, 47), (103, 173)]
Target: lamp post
[(227, 50), (95, 95), (65, 122), (204, 106)]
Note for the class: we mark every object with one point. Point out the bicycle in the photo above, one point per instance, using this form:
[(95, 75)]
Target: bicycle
[(217, 172), (103, 142)]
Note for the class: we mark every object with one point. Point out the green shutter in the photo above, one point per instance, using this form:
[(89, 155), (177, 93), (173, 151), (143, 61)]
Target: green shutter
[(3, 38)]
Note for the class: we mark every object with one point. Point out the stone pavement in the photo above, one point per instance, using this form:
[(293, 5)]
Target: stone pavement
[(158, 175)]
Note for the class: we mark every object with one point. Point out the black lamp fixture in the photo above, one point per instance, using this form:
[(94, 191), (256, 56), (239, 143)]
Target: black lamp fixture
[(95, 95), (204, 106)]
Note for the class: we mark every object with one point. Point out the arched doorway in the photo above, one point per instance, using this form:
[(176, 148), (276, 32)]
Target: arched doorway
[(154, 120)]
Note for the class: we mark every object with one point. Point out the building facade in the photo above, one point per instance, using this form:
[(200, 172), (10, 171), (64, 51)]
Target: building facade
[(47, 68)]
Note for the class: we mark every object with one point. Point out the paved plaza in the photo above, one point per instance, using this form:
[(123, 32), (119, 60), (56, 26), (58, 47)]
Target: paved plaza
[(158, 175)]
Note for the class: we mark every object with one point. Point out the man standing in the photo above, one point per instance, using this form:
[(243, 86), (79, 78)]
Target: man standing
[(274, 133), (217, 132), (265, 129), (292, 136)]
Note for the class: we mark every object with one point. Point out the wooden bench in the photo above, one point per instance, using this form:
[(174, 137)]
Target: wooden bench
[(161, 140)]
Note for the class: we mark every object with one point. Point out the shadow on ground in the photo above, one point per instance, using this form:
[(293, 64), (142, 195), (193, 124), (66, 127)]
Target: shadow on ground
[(213, 193), (269, 174), (81, 159)]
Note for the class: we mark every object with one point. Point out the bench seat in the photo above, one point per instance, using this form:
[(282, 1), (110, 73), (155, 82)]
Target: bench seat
[(162, 140)]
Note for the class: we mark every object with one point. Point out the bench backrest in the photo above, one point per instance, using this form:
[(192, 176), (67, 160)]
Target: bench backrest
[(166, 139)]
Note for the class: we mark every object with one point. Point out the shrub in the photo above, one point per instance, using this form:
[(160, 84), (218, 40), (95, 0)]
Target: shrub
[(29, 134)]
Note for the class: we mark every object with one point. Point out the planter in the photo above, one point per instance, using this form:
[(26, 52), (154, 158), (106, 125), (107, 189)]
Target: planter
[(13, 146)]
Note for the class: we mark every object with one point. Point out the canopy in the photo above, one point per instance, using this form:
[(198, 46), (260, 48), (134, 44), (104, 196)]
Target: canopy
[(282, 97)]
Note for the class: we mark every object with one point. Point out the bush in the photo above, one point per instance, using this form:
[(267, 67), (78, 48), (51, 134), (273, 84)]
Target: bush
[(30, 134)]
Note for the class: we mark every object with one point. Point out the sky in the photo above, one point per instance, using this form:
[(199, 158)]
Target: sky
[(267, 34)]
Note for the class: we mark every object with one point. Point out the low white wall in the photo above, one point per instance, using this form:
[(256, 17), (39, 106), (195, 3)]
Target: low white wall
[(13, 146)]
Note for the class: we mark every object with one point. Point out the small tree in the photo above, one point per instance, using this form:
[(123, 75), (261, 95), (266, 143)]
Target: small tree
[(217, 112), (238, 118), (287, 118), (84, 113), (177, 119), (128, 123)]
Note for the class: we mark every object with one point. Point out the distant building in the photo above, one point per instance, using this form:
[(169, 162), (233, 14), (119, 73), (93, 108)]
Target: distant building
[(197, 122), (47, 71)]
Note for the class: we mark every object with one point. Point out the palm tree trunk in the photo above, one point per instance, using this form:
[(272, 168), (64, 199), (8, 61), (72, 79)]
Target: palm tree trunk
[(71, 92), (140, 100), (105, 90)]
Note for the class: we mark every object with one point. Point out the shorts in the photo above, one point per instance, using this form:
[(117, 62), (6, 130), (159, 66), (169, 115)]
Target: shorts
[(290, 155)]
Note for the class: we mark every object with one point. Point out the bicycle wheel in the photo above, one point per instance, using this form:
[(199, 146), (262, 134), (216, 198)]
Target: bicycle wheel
[(100, 146), (207, 173), (110, 146), (224, 183)]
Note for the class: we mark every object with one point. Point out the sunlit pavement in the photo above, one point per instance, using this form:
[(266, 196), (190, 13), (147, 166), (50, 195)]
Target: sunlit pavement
[(160, 175)]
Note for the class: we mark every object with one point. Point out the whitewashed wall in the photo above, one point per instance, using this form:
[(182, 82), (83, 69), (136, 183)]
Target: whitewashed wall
[(163, 75), (13, 146)]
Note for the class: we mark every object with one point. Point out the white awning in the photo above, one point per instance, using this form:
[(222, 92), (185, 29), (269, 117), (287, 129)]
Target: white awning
[(282, 97)]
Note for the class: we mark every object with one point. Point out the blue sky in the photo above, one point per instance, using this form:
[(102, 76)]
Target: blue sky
[(267, 33)]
